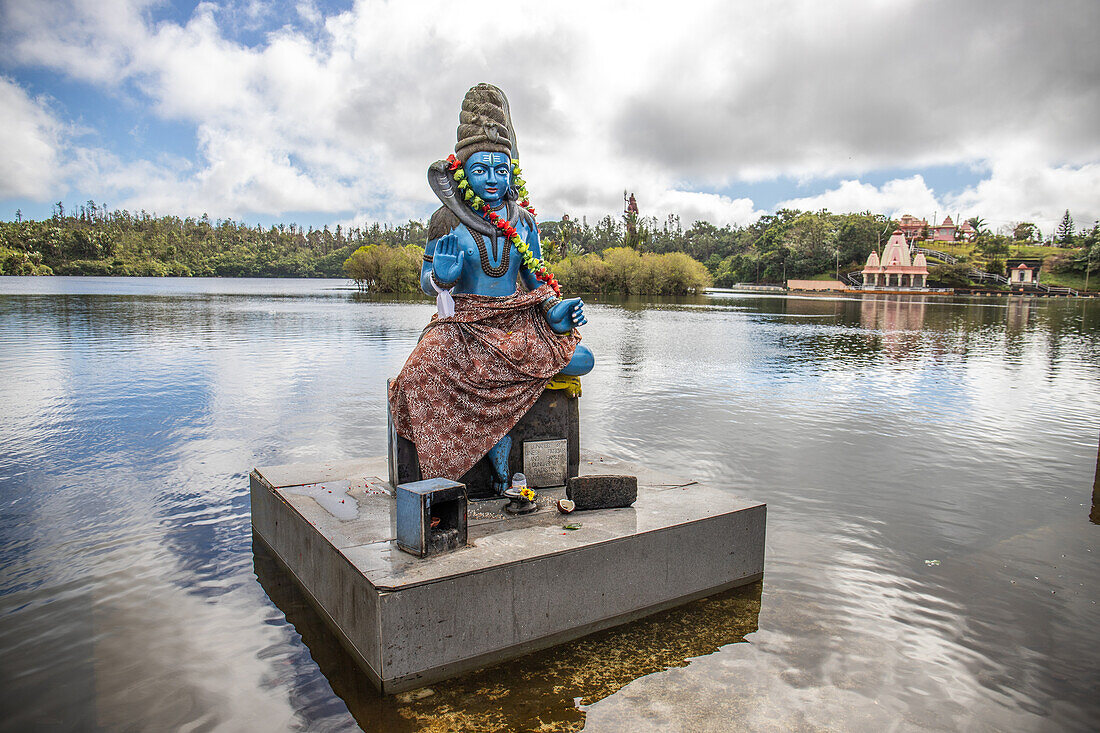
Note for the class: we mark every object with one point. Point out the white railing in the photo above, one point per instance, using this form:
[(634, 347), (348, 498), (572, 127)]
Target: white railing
[(748, 287), (973, 273), (942, 256), (976, 274)]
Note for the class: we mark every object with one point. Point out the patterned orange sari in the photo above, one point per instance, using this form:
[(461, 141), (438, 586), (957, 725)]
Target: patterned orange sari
[(473, 376)]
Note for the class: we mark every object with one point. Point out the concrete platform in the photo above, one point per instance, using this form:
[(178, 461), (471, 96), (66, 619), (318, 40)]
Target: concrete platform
[(524, 583)]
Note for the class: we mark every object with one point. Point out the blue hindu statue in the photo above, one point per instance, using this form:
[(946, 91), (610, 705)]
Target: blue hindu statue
[(502, 330)]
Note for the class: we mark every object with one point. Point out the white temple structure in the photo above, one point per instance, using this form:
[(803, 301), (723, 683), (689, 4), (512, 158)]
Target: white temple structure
[(894, 269)]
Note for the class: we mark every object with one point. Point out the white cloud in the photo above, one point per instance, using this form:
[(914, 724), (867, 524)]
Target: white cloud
[(345, 112), (691, 206), (840, 88), (309, 12), (90, 40), (1014, 191), (1019, 191), (894, 198), (29, 142)]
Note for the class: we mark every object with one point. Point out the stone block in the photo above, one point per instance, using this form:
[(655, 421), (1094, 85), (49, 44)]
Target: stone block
[(602, 492)]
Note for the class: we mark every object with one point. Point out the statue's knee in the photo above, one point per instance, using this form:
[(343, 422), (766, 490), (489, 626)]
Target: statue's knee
[(581, 363)]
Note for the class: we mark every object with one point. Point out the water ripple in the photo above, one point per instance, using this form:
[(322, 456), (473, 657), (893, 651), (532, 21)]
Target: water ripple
[(928, 467)]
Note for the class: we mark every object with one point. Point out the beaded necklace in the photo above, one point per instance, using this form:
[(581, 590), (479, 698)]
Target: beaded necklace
[(486, 267)]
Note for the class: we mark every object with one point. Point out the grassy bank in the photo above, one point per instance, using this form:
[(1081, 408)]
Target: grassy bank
[(1069, 280)]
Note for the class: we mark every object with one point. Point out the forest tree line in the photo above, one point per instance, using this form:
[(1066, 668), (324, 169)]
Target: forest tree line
[(94, 240), (616, 254)]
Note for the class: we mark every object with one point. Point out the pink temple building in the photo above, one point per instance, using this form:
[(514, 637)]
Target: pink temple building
[(894, 269), (966, 232), (944, 232), (912, 227)]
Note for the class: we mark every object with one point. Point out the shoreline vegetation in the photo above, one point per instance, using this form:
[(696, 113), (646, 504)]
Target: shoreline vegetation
[(383, 269), (629, 255)]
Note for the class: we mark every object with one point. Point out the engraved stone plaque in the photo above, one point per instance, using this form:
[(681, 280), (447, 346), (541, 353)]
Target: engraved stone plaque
[(546, 462)]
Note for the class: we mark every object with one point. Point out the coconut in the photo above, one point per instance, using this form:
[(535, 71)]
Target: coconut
[(565, 506)]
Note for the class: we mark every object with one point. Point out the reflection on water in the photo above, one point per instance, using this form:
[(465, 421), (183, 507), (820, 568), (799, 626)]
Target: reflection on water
[(1095, 514), (898, 318), (930, 467), (549, 690)]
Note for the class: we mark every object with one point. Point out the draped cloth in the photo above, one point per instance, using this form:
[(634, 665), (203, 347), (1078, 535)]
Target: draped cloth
[(473, 376)]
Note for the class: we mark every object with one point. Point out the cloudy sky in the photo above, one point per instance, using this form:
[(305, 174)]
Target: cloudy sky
[(330, 112)]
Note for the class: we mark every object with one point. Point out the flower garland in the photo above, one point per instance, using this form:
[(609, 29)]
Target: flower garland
[(535, 265)]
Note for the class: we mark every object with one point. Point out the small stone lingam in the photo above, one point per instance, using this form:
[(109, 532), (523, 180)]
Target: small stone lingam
[(522, 498)]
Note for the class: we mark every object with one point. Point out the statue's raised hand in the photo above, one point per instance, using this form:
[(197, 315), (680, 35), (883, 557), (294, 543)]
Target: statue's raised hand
[(447, 259), (566, 315)]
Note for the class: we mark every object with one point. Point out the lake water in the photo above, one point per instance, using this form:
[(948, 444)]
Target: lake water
[(928, 466)]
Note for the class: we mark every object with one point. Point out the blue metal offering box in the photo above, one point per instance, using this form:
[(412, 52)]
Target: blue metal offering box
[(431, 516)]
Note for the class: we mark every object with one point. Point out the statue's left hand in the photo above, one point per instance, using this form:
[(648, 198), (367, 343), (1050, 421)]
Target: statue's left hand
[(566, 315)]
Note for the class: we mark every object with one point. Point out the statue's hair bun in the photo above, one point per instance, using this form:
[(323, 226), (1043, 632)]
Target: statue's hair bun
[(485, 123)]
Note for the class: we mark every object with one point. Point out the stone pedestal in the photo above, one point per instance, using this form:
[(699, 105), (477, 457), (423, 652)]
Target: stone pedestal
[(555, 416), (521, 583)]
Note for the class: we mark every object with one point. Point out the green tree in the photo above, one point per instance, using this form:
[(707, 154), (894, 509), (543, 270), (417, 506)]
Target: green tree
[(993, 245), (608, 233), (949, 276), (809, 245), (587, 273), (979, 224), (858, 234), (1024, 231), (384, 269), (1064, 234), (625, 271)]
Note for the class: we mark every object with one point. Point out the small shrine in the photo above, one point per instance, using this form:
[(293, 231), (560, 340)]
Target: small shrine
[(895, 269), (1023, 274)]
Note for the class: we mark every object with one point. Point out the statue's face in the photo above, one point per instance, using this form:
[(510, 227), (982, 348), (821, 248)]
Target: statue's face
[(489, 175)]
